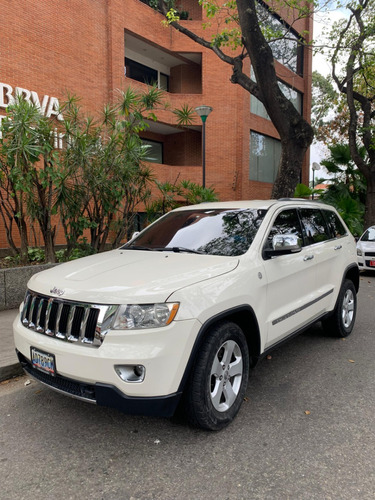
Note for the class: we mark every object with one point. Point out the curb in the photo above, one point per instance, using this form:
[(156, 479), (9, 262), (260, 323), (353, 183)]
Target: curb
[(10, 371)]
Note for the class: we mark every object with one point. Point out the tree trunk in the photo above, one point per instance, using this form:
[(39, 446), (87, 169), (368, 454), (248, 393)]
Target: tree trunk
[(370, 200), (295, 132), (289, 174)]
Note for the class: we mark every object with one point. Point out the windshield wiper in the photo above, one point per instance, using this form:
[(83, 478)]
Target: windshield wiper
[(135, 247), (178, 250), (163, 249)]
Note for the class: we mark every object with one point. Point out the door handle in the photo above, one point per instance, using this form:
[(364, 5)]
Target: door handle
[(337, 247), (308, 257)]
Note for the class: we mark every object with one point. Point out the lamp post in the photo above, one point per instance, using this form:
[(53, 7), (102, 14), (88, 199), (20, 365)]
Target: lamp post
[(315, 166), (203, 112)]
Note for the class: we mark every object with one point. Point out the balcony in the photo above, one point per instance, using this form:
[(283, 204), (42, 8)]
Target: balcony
[(173, 146), (177, 73)]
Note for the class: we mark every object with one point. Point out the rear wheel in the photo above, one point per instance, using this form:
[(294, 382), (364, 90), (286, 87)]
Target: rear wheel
[(341, 323), (219, 378)]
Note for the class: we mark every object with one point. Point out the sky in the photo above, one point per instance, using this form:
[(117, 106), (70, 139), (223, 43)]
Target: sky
[(321, 21)]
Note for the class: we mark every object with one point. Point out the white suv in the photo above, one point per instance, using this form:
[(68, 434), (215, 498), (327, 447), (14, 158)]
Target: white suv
[(179, 314)]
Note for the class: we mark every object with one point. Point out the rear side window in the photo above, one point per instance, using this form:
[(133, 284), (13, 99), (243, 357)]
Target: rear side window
[(335, 224), (314, 225)]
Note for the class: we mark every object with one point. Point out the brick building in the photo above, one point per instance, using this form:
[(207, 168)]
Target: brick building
[(90, 48)]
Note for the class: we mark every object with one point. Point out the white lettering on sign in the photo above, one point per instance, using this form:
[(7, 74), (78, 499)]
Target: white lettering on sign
[(48, 107)]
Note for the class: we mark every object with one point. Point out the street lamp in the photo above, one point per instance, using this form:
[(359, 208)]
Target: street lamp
[(203, 112), (315, 166)]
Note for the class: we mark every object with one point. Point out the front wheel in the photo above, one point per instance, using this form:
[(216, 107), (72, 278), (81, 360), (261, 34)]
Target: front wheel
[(219, 378), (341, 323)]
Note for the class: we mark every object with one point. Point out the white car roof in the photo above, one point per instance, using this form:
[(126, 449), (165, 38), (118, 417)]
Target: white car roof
[(257, 204)]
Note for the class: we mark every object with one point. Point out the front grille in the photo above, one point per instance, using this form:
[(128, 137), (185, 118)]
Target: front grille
[(62, 384), (370, 254), (85, 324)]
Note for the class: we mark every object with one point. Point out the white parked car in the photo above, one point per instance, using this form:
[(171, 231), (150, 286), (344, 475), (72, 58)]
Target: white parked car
[(178, 315), (366, 250)]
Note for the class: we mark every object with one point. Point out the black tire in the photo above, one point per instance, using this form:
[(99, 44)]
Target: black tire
[(218, 381), (341, 323)]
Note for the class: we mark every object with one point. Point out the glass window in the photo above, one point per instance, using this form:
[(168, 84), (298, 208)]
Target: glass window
[(145, 74), (140, 72), (294, 97), (335, 224), (164, 82), (283, 40), (265, 153), (227, 232), (314, 228), (287, 222), (369, 235), (153, 150)]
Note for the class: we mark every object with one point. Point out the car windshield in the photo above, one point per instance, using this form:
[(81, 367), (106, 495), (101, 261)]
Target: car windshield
[(228, 232), (369, 235)]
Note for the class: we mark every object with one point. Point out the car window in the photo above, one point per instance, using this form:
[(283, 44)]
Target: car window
[(314, 226), (287, 222), (228, 232), (369, 235), (335, 224)]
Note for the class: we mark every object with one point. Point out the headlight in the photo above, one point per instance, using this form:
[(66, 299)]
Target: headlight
[(359, 252), (134, 316)]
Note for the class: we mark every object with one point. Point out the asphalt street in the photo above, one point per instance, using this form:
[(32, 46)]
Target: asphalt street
[(305, 431)]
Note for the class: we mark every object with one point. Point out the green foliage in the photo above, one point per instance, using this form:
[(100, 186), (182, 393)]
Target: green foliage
[(95, 184), (185, 115), (349, 207), (171, 196), (30, 165), (341, 164), (303, 191), (36, 254)]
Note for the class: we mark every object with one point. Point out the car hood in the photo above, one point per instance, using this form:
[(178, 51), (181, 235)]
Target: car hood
[(366, 246), (129, 276)]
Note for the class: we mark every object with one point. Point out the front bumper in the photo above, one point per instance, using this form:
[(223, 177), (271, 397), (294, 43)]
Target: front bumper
[(89, 373), (104, 394), (364, 263)]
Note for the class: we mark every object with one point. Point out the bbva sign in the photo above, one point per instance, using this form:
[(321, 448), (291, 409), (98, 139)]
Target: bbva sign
[(49, 106)]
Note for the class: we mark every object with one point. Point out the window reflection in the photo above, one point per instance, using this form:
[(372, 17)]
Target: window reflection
[(314, 226), (214, 232), (283, 41)]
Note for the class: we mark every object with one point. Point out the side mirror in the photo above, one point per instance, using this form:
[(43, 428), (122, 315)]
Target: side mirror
[(283, 244)]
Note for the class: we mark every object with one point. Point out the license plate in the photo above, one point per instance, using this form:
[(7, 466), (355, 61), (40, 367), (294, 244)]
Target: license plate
[(372, 263), (43, 361)]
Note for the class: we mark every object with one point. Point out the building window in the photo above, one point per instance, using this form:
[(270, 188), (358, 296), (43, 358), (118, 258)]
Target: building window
[(295, 97), (286, 48), (145, 74), (265, 153), (153, 151)]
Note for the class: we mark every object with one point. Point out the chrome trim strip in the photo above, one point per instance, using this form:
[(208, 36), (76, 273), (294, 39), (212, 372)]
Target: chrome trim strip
[(299, 309)]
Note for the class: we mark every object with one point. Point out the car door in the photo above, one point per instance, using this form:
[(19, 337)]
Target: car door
[(290, 281)]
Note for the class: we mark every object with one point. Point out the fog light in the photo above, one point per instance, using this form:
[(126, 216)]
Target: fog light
[(131, 373)]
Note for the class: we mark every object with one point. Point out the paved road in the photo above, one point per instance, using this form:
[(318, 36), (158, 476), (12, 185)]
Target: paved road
[(52, 446)]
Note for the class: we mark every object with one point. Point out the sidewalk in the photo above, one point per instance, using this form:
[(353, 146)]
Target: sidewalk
[(9, 365)]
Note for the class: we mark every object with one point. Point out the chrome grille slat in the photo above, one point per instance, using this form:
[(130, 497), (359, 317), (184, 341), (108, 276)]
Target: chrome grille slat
[(69, 335), (31, 324), (39, 328), (47, 329), (84, 324), (80, 323), (58, 334)]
